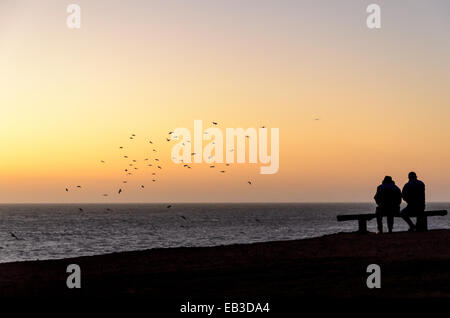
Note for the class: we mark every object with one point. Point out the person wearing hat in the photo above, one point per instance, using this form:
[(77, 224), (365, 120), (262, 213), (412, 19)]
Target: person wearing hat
[(413, 194), (388, 199)]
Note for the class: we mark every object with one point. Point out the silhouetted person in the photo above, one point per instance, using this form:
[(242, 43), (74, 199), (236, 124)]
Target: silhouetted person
[(388, 199), (414, 194)]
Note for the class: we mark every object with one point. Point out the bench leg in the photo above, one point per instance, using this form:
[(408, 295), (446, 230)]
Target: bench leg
[(362, 226), (422, 223)]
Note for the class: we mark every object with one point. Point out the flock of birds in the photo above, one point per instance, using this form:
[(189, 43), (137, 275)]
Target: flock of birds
[(132, 166)]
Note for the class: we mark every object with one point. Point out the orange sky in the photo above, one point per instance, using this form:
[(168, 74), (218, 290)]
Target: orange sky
[(70, 98)]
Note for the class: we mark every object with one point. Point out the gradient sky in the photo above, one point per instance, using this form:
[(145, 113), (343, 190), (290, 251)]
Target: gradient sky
[(70, 98)]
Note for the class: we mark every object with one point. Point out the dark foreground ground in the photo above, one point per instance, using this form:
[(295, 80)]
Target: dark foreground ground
[(412, 265)]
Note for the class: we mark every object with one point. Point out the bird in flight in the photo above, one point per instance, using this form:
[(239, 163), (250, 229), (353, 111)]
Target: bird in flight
[(78, 186), (249, 182), (14, 235), (81, 210), (67, 190), (222, 171), (120, 191), (169, 206), (150, 142), (102, 161), (214, 123), (142, 186)]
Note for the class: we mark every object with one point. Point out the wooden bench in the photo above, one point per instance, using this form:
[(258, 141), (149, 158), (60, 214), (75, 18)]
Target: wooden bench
[(363, 218)]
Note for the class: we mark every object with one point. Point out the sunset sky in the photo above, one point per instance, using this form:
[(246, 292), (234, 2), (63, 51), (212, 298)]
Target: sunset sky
[(70, 97)]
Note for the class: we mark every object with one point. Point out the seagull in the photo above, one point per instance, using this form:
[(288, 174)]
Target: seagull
[(156, 159), (109, 210), (214, 123), (153, 180), (142, 186), (154, 150), (150, 142), (193, 154), (14, 235), (120, 190), (105, 195), (133, 135), (153, 174), (169, 206), (81, 210), (227, 164), (167, 139), (67, 190), (170, 132), (263, 126), (125, 156), (249, 182), (159, 167), (211, 166), (150, 165), (102, 161), (183, 217), (120, 147), (125, 182), (223, 171), (316, 118), (78, 186)]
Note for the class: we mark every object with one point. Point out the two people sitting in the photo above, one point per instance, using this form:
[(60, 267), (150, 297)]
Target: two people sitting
[(389, 198)]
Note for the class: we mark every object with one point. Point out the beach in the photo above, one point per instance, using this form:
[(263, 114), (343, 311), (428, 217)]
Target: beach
[(413, 265)]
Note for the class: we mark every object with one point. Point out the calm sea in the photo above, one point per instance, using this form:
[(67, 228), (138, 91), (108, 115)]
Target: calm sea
[(59, 231)]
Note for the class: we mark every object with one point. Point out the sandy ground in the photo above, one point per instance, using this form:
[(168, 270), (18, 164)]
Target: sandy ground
[(412, 265)]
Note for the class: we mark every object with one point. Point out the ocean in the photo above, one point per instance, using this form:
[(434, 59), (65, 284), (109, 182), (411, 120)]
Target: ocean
[(51, 231)]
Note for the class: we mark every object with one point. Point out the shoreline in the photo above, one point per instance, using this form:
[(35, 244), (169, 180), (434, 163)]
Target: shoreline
[(413, 265)]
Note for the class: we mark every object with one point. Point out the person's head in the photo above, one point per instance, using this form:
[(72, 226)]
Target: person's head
[(412, 176), (387, 179)]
